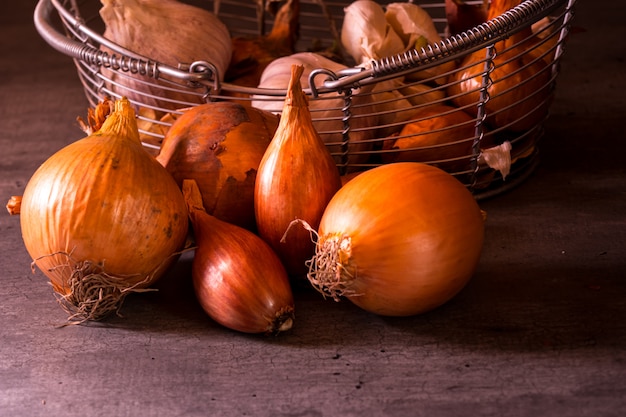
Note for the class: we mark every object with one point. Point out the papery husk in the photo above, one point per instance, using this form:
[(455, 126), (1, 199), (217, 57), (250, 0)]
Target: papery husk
[(251, 55), (417, 30), (219, 145), (498, 158), (14, 204), (366, 34), (169, 32)]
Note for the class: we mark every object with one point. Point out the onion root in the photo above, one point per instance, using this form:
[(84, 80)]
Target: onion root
[(91, 293), (327, 271)]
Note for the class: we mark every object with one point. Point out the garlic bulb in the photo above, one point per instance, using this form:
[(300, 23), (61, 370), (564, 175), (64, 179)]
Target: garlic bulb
[(366, 34), (417, 30), (412, 23), (278, 73), (169, 32)]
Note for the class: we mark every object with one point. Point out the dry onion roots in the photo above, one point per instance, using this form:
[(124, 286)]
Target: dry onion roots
[(92, 294)]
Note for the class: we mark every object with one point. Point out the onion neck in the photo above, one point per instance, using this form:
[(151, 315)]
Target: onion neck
[(295, 96), (121, 122)]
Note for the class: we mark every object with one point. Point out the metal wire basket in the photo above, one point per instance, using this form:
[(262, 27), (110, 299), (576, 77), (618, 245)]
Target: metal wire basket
[(360, 136)]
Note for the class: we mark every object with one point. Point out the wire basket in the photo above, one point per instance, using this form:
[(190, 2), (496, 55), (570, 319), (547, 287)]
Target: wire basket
[(391, 110)]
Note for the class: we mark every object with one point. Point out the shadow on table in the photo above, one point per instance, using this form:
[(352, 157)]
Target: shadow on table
[(528, 309)]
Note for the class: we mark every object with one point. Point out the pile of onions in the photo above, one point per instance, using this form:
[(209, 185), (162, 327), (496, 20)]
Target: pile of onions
[(238, 279), (519, 95), (440, 134), (102, 218), (398, 240)]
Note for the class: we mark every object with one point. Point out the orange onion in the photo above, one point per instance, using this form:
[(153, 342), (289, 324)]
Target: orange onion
[(398, 240), (296, 178), (238, 279), (441, 135), (102, 218), (520, 92)]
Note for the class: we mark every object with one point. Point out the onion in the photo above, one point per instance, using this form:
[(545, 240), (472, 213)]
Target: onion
[(220, 146), (252, 54), (440, 134), (462, 15), (327, 111), (519, 96), (296, 178), (238, 279), (102, 218), (398, 240)]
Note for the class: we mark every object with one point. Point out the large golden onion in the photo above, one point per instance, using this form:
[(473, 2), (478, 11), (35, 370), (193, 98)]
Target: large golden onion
[(398, 240), (102, 218)]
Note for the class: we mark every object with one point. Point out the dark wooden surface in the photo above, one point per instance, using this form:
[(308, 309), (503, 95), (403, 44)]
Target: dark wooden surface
[(539, 331)]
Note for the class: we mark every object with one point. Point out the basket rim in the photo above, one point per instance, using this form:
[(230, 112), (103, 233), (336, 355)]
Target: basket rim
[(202, 73)]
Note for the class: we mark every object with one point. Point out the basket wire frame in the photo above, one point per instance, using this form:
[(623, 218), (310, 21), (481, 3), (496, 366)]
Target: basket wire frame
[(73, 27)]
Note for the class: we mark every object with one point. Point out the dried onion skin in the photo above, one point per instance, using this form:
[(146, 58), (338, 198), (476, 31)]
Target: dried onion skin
[(220, 146)]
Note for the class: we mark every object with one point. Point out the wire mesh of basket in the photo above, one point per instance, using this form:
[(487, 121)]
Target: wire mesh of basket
[(471, 103)]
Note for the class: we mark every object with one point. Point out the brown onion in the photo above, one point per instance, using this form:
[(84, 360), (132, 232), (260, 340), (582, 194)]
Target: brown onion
[(102, 218), (238, 279), (220, 146), (297, 177), (398, 240)]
